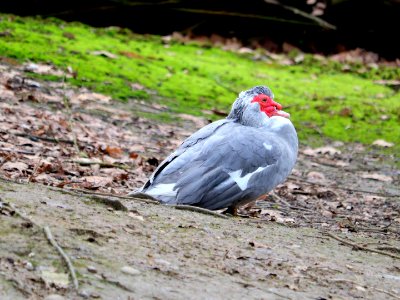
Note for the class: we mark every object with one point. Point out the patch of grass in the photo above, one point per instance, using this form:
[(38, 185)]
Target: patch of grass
[(190, 78)]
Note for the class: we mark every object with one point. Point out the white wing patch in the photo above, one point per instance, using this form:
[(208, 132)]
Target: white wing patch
[(242, 182), (266, 146), (163, 189)]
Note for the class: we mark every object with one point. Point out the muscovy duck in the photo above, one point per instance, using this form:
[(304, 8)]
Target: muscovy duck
[(230, 162)]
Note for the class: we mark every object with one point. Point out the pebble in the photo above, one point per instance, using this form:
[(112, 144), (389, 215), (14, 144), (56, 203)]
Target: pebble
[(129, 270), (92, 269), (54, 297)]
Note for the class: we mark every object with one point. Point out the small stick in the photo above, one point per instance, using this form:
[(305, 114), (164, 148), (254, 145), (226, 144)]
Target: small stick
[(111, 195), (50, 238), (71, 269), (17, 151), (359, 284), (43, 138), (389, 248), (359, 247), (199, 209), (22, 215), (100, 163)]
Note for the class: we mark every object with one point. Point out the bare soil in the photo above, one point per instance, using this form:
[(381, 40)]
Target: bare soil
[(68, 157)]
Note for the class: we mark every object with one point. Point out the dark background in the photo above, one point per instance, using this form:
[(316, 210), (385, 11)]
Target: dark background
[(369, 24)]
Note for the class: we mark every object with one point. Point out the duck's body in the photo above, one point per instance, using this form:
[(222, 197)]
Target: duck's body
[(229, 162)]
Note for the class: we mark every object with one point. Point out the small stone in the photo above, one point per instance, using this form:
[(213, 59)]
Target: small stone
[(95, 295), (85, 294), (92, 269), (54, 297), (28, 265), (129, 270)]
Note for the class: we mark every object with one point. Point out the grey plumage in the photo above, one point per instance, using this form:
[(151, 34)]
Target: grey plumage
[(229, 162)]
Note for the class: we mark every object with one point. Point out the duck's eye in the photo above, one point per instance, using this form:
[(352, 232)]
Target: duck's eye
[(264, 100)]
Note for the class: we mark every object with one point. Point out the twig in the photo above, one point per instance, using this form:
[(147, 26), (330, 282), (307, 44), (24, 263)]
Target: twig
[(22, 215), (71, 269), (43, 138), (145, 200), (17, 151), (277, 294), (293, 177), (389, 248), (98, 197), (241, 15), (117, 284), (100, 163), (199, 209), (50, 238), (297, 11), (378, 230), (277, 198), (359, 284), (359, 247)]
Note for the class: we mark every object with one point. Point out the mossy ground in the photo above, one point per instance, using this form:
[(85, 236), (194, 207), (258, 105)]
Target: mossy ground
[(189, 78)]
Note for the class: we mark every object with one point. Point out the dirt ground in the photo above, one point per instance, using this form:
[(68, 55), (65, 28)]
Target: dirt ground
[(69, 156)]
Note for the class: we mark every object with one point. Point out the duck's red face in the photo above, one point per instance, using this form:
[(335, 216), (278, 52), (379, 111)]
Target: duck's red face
[(269, 106)]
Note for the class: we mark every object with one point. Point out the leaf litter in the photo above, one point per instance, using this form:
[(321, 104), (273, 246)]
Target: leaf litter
[(92, 143)]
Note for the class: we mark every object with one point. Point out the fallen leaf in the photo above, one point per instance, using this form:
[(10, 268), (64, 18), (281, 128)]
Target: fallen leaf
[(90, 97), (137, 86), (114, 152), (292, 186), (316, 175), (131, 54), (135, 216), (133, 155), (346, 112), (376, 176), (321, 150), (98, 181), (10, 166), (382, 143)]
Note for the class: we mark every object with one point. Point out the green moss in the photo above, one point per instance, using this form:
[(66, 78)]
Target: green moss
[(190, 78)]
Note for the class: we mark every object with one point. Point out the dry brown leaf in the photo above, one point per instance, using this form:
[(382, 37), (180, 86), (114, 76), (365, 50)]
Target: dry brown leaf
[(98, 181), (137, 86), (382, 143), (131, 54), (43, 69), (114, 152), (90, 97), (133, 155), (321, 150), (136, 216), (316, 176), (17, 165)]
